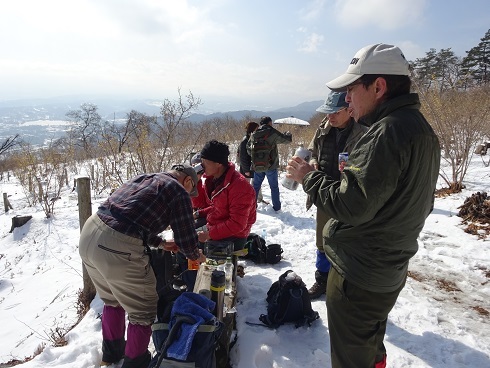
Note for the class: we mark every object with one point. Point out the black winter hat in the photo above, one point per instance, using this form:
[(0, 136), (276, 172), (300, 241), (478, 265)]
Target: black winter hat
[(216, 151), (265, 120)]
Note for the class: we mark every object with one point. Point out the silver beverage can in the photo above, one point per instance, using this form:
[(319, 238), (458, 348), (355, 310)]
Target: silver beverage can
[(343, 157)]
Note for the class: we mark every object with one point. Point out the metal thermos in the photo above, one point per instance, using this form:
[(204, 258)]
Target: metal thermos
[(218, 292), (305, 155)]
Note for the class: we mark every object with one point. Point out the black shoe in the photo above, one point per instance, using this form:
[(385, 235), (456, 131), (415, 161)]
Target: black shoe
[(112, 351), (141, 361), (317, 290)]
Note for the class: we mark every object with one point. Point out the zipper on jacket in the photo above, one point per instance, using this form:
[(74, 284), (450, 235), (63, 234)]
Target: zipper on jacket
[(219, 191)]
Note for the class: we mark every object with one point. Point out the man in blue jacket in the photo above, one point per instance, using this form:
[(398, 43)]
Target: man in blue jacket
[(379, 205)]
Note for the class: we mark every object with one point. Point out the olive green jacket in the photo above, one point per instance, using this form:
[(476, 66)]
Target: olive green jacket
[(268, 151), (320, 151), (386, 192)]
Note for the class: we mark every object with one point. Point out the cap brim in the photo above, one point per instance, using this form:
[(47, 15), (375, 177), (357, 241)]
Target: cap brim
[(340, 84), (195, 179), (328, 110)]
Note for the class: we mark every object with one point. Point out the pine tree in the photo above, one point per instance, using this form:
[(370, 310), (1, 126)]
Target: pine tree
[(476, 65), (439, 69), (424, 69)]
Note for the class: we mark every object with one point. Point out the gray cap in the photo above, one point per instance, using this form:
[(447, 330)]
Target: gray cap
[(189, 170), (373, 59), (334, 102), (196, 159)]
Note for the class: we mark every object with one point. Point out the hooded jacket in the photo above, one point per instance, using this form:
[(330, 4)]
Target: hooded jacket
[(244, 158), (386, 192)]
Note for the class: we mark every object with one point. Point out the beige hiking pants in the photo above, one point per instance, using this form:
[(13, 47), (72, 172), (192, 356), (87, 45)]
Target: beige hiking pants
[(120, 270)]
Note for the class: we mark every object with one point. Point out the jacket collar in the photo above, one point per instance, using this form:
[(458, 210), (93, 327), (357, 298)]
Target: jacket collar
[(325, 125), (227, 175), (410, 100)]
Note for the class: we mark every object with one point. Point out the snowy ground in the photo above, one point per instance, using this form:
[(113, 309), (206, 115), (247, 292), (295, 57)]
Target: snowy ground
[(440, 319)]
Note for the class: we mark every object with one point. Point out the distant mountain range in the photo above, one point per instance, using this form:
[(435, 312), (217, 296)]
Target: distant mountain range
[(21, 111), (302, 111), (30, 118)]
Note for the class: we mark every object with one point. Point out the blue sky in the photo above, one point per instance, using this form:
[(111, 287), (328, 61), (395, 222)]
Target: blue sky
[(232, 54)]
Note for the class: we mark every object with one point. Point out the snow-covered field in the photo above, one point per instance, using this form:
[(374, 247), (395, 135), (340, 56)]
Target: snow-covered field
[(441, 318)]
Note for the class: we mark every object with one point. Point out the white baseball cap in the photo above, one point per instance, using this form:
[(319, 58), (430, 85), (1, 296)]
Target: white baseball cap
[(373, 59)]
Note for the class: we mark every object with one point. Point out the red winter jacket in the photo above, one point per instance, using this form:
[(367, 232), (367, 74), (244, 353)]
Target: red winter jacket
[(232, 206)]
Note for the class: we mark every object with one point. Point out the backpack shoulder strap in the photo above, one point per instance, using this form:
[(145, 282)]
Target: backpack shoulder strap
[(309, 315), (172, 336)]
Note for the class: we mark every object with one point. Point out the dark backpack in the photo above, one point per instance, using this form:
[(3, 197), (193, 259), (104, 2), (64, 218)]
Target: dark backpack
[(259, 252), (261, 151), (193, 348), (288, 301)]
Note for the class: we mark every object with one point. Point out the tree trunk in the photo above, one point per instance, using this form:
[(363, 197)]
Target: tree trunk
[(6, 203)]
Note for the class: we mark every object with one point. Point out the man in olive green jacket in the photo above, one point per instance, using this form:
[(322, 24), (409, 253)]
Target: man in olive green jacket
[(379, 206), (337, 133)]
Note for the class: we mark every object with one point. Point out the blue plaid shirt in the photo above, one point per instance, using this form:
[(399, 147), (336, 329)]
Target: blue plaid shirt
[(152, 202)]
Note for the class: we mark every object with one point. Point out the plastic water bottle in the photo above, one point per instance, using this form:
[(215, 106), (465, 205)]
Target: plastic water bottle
[(264, 234), (291, 276), (228, 275), (305, 155)]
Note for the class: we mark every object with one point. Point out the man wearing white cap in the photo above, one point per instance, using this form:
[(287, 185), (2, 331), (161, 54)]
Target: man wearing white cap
[(379, 205)]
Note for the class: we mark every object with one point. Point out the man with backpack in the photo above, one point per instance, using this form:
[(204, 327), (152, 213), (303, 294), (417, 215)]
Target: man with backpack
[(262, 147), (379, 205)]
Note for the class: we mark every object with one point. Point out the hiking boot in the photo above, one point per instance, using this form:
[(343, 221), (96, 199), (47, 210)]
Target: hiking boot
[(141, 361), (320, 286), (112, 350), (111, 365)]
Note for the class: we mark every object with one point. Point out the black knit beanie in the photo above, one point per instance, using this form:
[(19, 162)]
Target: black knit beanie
[(216, 151)]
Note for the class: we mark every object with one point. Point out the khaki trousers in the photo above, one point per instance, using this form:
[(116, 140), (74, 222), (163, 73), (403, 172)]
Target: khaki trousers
[(120, 270)]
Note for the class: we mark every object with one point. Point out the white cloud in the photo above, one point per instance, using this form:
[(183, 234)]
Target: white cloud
[(312, 10), (384, 14), (311, 43)]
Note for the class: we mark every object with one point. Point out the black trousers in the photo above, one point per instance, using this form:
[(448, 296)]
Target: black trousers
[(356, 322)]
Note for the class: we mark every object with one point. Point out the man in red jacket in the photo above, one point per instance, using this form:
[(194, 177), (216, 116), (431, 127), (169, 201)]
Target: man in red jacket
[(232, 210)]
